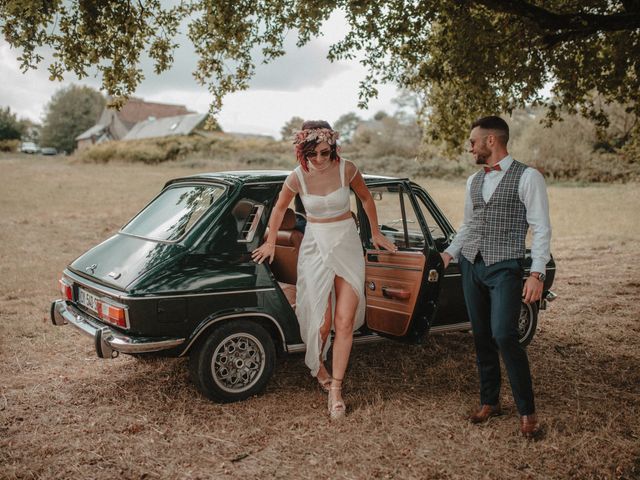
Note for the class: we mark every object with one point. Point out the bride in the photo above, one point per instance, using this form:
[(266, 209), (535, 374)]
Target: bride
[(331, 261)]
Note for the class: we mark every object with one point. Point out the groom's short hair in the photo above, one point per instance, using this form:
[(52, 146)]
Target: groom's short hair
[(493, 122)]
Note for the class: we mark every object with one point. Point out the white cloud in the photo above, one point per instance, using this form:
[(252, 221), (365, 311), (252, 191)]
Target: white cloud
[(25, 93), (299, 68), (266, 111)]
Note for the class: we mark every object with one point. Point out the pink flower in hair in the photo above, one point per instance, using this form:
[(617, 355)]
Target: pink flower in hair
[(317, 135)]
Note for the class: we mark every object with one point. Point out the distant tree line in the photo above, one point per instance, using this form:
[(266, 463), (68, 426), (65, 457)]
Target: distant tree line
[(71, 111), (10, 127), (573, 148)]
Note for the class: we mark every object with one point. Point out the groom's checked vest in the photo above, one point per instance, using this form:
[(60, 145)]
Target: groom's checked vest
[(498, 227)]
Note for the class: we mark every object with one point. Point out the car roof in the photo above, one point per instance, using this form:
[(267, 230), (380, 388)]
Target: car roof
[(256, 176)]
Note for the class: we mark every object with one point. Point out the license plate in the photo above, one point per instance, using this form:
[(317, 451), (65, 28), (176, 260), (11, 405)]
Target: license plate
[(88, 300)]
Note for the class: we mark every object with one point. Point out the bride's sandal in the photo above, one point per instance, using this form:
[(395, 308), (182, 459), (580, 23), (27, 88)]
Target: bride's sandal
[(337, 408)]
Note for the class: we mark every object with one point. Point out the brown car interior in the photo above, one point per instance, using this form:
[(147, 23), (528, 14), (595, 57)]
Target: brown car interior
[(285, 262), (392, 281), (392, 284)]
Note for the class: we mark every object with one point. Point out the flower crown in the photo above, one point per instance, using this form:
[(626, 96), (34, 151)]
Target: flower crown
[(316, 134)]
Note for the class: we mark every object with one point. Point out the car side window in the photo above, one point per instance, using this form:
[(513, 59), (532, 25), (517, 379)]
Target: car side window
[(243, 224), (174, 212), (397, 218), (435, 229)]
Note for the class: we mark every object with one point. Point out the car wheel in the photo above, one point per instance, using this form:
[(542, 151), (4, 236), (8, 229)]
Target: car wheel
[(234, 362), (527, 323)]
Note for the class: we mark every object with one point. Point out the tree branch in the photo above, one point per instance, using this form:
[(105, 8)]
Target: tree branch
[(559, 27)]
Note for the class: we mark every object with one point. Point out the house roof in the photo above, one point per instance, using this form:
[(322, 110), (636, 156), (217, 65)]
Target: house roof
[(163, 127), (93, 131), (137, 110)]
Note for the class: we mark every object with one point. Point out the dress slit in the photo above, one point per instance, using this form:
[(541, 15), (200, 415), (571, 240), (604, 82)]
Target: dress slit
[(328, 250)]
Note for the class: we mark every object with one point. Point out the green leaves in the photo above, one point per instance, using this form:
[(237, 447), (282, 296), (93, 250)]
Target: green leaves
[(10, 127), (466, 58)]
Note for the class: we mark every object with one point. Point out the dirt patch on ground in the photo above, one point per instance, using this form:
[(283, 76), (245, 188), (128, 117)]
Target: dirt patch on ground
[(66, 414)]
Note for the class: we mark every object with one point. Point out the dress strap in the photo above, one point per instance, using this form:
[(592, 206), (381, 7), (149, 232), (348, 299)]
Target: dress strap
[(302, 184), (342, 162)]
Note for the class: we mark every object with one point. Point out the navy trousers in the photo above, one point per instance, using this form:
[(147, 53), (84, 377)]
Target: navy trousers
[(493, 295)]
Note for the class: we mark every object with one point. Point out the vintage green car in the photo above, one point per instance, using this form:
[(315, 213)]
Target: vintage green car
[(178, 279)]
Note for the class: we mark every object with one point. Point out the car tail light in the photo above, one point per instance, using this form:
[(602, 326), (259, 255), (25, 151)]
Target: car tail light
[(113, 314), (66, 290)]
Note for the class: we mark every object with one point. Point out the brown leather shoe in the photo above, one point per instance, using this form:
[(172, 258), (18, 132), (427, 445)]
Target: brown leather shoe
[(529, 426), (485, 413)]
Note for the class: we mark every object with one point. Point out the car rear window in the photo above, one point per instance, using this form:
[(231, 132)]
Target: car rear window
[(174, 212)]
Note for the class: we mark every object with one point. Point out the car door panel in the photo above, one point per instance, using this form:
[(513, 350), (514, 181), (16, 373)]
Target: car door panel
[(400, 299), (392, 283)]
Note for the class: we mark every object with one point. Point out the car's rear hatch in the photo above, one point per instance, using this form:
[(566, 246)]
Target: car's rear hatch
[(121, 259), (151, 238)]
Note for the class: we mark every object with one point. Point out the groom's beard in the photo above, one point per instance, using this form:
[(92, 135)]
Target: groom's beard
[(482, 156), (481, 160)]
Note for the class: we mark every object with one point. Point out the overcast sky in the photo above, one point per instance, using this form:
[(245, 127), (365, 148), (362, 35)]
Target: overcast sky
[(302, 83)]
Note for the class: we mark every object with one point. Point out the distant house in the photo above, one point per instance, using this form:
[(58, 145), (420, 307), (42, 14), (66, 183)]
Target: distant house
[(115, 125), (164, 127)]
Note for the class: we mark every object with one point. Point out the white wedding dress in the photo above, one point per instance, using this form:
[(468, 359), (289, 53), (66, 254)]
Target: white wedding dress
[(328, 250)]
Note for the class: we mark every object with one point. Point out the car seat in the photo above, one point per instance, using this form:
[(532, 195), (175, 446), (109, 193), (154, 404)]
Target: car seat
[(285, 263)]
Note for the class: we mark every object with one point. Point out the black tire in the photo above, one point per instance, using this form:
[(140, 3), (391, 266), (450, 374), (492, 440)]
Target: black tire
[(527, 323), (234, 362)]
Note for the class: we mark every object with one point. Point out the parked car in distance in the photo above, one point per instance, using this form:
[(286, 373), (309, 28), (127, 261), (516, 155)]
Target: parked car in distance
[(178, 279), (48, 151), (29, 147)]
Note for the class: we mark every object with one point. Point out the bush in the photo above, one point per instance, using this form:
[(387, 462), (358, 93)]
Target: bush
[(568, 151), (419, 166), (9, 145), (385, 137), (218, 148), (565, 152)]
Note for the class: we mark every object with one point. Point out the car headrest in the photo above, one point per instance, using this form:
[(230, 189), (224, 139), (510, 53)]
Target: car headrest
[(289, 220)]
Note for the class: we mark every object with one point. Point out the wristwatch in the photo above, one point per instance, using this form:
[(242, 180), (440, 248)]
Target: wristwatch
[(539, 275)]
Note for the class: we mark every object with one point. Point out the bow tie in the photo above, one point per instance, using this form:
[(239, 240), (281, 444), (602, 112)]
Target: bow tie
[(496, 167)]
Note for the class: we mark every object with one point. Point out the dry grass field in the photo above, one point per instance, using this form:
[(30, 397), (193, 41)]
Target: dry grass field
[(66, 414)]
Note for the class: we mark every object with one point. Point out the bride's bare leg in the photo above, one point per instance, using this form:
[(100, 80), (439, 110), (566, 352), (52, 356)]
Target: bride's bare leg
[(346, 305)]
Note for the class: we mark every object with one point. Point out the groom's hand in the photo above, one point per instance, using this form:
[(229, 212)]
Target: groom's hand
[(532, 291), (446, 258)]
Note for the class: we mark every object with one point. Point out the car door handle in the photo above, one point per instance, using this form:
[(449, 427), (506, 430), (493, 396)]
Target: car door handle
[(398, 293)]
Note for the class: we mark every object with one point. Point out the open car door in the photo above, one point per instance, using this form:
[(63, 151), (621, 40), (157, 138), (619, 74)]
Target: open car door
[(401, 288)]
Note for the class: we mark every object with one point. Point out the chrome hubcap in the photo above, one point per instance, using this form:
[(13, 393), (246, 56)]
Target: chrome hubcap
[(238, 362), (524, 321)]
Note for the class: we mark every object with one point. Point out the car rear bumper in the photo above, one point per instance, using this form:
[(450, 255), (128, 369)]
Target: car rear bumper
[(108, 341), (547, 296)]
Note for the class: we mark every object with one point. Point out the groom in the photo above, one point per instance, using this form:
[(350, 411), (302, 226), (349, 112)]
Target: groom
[(502, 201)]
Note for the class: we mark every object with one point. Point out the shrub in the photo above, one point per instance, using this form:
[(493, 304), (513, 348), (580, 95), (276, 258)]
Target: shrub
[(568, 151), (214, 148), (565, 152), (386, 137), (9, 145)]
